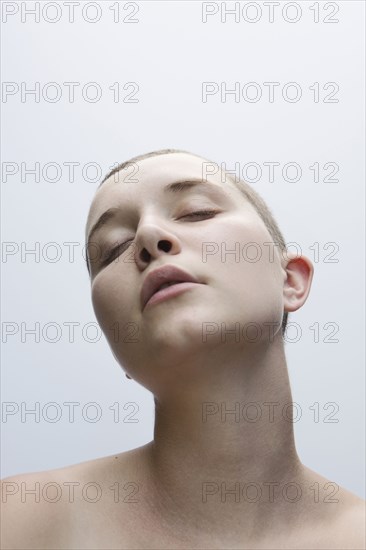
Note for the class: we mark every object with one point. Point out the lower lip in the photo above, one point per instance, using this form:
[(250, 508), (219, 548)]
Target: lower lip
[(169, 292)]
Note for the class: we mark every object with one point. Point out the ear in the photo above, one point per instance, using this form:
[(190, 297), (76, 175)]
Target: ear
[(299, 270)]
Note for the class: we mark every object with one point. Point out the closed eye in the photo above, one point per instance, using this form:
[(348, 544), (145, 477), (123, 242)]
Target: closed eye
[(201, 213), (123, 246), (112, 253)]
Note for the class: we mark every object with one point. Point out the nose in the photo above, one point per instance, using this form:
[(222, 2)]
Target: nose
[(152, 241)]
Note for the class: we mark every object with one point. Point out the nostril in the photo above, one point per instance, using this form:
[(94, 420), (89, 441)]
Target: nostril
[(164, 245), (145, 256)]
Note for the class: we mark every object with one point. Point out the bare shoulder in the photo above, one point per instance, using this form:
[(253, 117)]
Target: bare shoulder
[(351, 525), (28, 518), (340, 520), (40, 510)]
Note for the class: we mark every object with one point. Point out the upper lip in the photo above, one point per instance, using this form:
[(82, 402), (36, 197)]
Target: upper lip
[(166, 274)]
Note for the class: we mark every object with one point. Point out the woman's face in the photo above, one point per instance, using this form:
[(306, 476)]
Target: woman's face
[(153, 342)]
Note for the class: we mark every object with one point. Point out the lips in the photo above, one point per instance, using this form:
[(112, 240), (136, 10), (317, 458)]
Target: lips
[(162, 276)]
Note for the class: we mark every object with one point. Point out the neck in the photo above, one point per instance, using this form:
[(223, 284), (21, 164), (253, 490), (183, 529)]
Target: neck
[(230, 427)]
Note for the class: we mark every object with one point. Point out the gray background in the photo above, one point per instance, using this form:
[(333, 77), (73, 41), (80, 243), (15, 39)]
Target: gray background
[(169, 52)]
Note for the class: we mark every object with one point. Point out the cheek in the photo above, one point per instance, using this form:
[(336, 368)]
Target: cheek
[(248, 269), (238, 247), (252, 295), (110, 300)]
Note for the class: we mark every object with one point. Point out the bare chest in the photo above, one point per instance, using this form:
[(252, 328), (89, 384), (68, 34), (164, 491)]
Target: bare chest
[(130, 529)]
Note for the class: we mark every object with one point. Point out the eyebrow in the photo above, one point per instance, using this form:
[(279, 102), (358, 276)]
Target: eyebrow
[(172, 188)]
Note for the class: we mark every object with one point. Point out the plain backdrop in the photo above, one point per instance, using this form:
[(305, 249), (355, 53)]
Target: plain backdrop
[(169, 53)]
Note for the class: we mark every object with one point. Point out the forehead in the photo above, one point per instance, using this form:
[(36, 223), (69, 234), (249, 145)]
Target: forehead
[(146, 178)]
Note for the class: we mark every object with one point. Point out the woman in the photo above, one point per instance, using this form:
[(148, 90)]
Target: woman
[(196, 263)]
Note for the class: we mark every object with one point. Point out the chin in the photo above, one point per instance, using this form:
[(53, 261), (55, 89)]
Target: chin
[(178, 335)]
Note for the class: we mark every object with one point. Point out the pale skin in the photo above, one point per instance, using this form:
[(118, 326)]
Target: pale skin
[(177, 478)]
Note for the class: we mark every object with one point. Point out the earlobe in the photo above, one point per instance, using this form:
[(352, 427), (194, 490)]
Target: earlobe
[(297, 286)]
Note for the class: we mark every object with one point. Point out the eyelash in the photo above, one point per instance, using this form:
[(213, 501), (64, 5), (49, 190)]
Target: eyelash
[(111, 253), (201, 213)]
